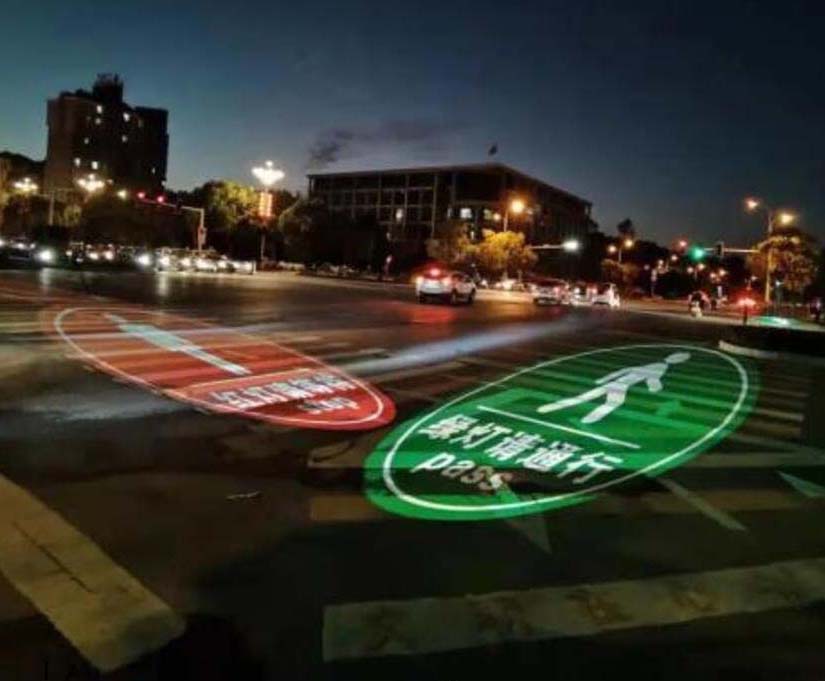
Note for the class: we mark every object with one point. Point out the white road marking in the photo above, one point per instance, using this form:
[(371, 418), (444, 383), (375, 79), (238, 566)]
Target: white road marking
[(715, 514), (428, 625), (104, 612), (566, 429)]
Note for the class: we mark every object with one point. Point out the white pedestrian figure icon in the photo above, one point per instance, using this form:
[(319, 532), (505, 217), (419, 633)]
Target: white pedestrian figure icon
[(615, 386)]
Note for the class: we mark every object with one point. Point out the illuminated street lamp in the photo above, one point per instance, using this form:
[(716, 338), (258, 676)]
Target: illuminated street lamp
[(674, 257), (571, 245), (683, 244), (626, 244), (783, 218), (26, 186), (267, 175), (122, 194), (90, 184), (516, 207)]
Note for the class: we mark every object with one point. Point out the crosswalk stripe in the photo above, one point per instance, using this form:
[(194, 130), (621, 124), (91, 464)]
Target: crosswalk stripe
[(104, 612), (428, 625), (702, 505)]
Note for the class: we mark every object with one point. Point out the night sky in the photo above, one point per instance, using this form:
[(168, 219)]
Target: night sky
[(666, 112)]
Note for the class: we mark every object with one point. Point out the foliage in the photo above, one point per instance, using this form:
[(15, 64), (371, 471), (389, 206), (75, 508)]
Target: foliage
[(503, 253), (227, 203), (452, 245), (626, 228), (621, 274), (311, 233), (793, 258), (106, 219)]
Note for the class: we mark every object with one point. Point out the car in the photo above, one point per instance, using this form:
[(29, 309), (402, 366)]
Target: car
[(449, 286), (206, 261), (550, 292), (173, 260), (606, 294)]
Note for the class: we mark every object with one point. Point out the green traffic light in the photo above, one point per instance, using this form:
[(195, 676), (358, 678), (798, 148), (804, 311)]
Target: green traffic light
[(697, 253)]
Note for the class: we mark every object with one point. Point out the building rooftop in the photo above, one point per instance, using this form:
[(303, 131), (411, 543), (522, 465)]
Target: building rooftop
[(446, 168)]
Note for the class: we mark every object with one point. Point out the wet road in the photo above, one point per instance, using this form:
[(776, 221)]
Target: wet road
[(260, 537)]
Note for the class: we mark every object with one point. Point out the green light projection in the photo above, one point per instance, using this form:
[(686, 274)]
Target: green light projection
[(558, 433)]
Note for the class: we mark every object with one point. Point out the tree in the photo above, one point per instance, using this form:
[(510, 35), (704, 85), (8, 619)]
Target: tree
[(226, 203), (621, 274), (626, 229), (503, 253), (452, 245), (793, 256)]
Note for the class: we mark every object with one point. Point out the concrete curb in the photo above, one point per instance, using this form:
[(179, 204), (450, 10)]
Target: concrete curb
[(768, 354)]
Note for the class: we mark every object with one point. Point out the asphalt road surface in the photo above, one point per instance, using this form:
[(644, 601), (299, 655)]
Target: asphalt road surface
[(154, 528)]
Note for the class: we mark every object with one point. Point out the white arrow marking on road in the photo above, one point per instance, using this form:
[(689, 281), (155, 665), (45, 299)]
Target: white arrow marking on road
[(169, 341)]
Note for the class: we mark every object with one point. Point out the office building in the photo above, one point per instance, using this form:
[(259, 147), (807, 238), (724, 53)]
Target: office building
[(412, 202)]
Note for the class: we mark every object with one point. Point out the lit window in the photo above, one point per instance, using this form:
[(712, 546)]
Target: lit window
[(94, 165), (97, 121), (126, 117), (399, 214), (154, 170), (76, 162), (466, 214), (99, 109), (124, 138), (86, 140)]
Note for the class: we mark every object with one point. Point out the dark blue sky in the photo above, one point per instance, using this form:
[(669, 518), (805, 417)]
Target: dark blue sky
[(667, 112)]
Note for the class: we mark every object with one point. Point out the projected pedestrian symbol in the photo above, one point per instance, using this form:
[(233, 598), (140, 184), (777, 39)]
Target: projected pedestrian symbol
[(554, 434), (615, 385)]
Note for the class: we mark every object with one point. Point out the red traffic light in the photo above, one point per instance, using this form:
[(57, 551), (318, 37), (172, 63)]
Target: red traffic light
[(141, 195)]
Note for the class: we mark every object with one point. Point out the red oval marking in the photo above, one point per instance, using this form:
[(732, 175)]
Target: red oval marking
[(220, 369)]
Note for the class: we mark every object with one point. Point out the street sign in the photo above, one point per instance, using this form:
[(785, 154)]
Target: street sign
[(220, 369), (557, 433)]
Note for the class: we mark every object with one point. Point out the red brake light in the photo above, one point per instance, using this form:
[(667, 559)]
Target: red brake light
[(161, 199), (434, 272), (141, 195)]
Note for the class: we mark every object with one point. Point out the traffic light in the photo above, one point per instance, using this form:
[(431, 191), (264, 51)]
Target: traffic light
[(697, 253), (720, 249)]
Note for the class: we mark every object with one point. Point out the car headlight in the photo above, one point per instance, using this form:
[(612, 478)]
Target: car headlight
[(94, 255), (222, 265), (164, 261), (186, 262), (109, 255), (144, 260), (2, 243), (45, 255)]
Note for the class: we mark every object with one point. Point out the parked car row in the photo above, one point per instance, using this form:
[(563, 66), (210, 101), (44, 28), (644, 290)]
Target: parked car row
[(78, 254), (560, 292)]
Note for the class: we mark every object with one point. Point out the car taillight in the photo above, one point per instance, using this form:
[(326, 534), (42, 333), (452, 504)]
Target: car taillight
[(435, 272), (418, 281), (446, 281)]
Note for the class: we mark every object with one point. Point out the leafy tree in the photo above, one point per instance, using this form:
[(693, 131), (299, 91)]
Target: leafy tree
[(226, 203), (621, 274), (504, 252), (452, 245), (626, 229), (793, 256)]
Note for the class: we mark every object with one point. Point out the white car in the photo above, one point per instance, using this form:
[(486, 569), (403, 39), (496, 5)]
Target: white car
[(443, 285), (606, 294), (550, 292)]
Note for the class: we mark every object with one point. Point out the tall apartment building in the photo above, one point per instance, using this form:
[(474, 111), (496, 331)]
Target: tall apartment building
[(98, 133)]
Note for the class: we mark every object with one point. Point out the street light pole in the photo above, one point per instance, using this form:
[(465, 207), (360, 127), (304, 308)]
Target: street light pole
[(785, 218), (267, 175)]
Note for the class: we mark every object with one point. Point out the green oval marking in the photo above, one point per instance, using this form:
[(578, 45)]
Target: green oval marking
[(557, 433)]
